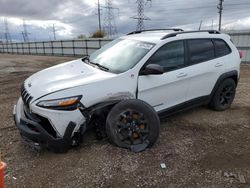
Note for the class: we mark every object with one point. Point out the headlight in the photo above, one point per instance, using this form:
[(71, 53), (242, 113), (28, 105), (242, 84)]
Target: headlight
[(69, 103)]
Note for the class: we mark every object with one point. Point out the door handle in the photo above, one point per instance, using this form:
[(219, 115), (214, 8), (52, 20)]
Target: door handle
[(218, 65), (181, 75)]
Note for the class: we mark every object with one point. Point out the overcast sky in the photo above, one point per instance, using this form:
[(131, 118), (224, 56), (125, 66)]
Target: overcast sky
[(74, 17)]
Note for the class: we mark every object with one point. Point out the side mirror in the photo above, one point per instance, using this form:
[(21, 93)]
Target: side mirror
[(152, 69)]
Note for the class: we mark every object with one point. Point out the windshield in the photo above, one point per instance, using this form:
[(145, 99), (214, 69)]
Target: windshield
[(121, 55)]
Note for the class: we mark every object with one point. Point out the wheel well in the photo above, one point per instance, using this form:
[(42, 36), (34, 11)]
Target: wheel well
[(235, 78), (233, 75), (100, 112)]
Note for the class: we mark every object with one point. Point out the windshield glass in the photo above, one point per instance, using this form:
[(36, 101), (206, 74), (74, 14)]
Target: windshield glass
[(121, 55)]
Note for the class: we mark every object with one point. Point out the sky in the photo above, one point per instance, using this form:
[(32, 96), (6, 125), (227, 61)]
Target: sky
[(74, 17)]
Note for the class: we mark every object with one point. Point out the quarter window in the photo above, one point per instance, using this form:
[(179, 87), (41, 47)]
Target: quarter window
[(171, 56), (201, 50), (221, 48)]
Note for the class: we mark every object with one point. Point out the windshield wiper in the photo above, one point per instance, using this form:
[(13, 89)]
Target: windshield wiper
[(100, 66), (96, 64)]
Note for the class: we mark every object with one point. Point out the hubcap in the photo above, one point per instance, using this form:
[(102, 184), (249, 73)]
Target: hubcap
[(132, 127), (226, 95)]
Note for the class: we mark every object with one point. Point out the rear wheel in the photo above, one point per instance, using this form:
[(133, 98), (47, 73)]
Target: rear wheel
[(224, 95), (133, 124)]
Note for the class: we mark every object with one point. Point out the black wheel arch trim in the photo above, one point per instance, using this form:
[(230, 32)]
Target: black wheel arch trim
[(222, 78)]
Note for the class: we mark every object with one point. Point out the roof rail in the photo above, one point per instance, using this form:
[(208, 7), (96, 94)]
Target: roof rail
[(185, 32), (141, 31)]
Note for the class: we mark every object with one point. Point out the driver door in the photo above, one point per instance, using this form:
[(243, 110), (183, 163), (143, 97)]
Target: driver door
[(170, 88)]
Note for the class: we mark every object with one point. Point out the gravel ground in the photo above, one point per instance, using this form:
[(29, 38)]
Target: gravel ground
[(200, 147)]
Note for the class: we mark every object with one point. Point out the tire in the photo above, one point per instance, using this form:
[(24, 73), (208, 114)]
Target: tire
[(132, 123), (224, 95)]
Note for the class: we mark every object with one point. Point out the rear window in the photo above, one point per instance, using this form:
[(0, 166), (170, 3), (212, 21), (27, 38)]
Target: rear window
[(201, 50), (221, 48)]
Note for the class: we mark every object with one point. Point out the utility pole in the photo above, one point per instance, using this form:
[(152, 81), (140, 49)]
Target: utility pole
[(220, 8), (109, 20), (7, 33), (140, 14), (212, 26), (99, 15), (54, 32)]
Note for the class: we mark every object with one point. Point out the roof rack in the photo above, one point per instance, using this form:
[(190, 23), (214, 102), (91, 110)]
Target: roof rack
[(141, 31), (185, 32)]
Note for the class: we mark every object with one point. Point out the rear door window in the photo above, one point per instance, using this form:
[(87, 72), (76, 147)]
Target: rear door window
[(221, 48), (200, 50)]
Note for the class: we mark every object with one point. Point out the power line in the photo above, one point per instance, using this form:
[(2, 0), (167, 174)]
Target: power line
[(226, 6)]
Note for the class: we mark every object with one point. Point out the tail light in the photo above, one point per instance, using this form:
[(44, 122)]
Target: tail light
[(241, 54)]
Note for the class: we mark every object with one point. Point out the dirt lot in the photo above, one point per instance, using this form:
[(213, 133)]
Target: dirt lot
[(200, 147)]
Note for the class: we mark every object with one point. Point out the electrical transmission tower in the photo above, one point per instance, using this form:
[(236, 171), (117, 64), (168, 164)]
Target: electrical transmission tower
[(54, 31), (220, 8), (109, 20), (7, 33), (140, 14), (25, 32)]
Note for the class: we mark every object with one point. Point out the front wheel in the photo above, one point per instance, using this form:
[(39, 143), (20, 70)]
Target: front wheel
[(224, 95), (133, 124)]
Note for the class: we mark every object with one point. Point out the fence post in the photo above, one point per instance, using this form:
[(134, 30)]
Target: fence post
[(43, 48), (22, 48), (73, 41), (3, 47), (52, 49), (100, 43), (29, 47), (62, 47), (17, 49), (86, 43), (36, 48), (11, 48)]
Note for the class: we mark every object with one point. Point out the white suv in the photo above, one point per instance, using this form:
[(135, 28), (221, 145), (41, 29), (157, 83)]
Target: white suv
[(122, 87)]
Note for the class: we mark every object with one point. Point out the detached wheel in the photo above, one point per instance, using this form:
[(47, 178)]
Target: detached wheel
[(224, 95), (133, 124)]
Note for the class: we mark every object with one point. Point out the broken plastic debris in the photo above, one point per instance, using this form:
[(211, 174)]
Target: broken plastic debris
[(163, 165), (242, 179), (139, 147)]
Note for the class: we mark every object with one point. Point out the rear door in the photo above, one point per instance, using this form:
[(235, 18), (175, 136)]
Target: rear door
[(169, 89), (204, 69)]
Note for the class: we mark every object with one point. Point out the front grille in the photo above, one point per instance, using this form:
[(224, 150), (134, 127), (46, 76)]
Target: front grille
[(25, 96)]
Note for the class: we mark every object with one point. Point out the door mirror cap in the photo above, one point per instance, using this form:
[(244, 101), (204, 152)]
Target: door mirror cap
[(152, 69)]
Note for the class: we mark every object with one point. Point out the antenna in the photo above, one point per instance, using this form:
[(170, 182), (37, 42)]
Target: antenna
[(109, 20), (140, 14)]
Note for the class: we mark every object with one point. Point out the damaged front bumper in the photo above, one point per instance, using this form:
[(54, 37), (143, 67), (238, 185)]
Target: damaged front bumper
[(36, 136)]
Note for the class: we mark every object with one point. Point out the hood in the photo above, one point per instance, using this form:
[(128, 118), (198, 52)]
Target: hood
[(63, 76)]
